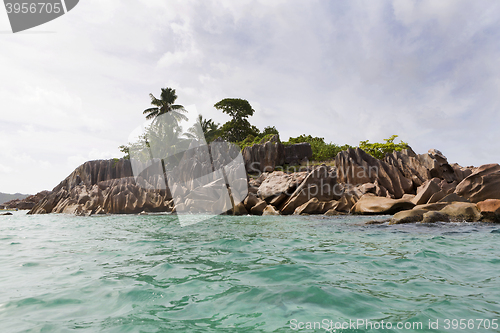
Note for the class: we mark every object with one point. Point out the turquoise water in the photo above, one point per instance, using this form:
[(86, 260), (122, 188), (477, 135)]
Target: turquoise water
[(243, 274)]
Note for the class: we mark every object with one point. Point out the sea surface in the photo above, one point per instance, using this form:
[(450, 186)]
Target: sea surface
[(125, 273)]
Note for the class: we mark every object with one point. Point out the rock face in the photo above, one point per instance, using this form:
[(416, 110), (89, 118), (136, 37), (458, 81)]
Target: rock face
[(482, 184), (414, 187), (26, 203), (354, 166), (408, 216), (426, 191), (320, 183), (278, 186), (300, 152), (490, 210), (423, 167), (433, 216), (371, 204), (462, 211), (115, 196), (264, 157), (314, 206)]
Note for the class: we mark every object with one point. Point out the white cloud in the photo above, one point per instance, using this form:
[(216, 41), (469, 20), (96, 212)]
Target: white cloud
[(346, 71)]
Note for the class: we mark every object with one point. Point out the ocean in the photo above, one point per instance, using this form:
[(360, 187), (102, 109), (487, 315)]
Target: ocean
[(130, 273)]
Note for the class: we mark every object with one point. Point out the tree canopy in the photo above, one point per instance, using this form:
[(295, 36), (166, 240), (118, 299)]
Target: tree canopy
[(238, 128), (164, 105)]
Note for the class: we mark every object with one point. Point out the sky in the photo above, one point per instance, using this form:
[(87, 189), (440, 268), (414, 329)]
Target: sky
[(74, 89)]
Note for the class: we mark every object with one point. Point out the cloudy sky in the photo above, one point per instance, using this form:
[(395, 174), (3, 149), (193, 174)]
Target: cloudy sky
[(73, 89)]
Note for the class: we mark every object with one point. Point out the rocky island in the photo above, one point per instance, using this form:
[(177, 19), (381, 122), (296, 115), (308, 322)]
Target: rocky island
[(413, 187)]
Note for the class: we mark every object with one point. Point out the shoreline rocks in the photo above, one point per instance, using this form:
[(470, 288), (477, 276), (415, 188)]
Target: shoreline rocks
[(416, 188)]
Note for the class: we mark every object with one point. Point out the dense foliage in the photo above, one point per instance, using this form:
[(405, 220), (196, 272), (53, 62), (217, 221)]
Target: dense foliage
[(379, 150), (238, 128), (256, 139), (322, 151)]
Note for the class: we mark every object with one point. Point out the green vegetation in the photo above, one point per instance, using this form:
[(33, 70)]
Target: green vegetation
[(164, 105), (207, 130), (258, 139), (322, 151), (379, 150), (238, 130)]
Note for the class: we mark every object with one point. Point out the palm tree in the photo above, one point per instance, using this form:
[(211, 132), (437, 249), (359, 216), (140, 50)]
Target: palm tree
[(165, 105), (205, 129)]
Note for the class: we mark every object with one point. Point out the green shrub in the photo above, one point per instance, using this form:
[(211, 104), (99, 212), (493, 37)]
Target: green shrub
[(321, 150), (251, 140), (379, 150)]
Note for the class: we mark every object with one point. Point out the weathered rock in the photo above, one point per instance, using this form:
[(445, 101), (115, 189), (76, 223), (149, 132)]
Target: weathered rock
[(408, 216), (346, 202), (26, 203), (333, 212), (462, 211), (321, 183), (239, 209), (250, 201), (264, 157), (354, 166), (371, 204), (409, 165), (433, 216), (482, 184), (425, 192), (453, 197), (448, 188), (314, 206), (408, 197), (270, 210), (433, 206), (258, 209), (278, 186), (490, 210), (420, 168), (437, 196), (297, 153)]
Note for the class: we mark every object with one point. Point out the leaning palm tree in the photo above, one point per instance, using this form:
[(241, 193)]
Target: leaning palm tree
[(165, 104)]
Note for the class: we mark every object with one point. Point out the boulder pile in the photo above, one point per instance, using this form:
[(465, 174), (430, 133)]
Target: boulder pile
[(415, 188)]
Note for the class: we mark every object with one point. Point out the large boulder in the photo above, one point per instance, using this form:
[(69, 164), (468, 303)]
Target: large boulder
[(270, 210), (297, 153), (371, 204), (408, 216), (453, 197), (426, 191), (278, 186), (422, 167), (355, 166), (434, 216), (314, 206), (264, 157), (462, 211), (482, 184), (490, 210), (432, 206), (320, 183)]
